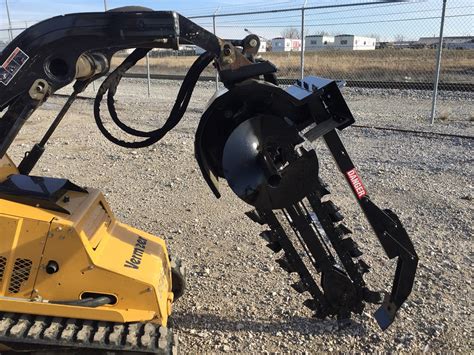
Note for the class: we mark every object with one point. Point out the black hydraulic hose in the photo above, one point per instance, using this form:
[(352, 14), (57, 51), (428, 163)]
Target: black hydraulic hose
[(111, 83), (183, 96), (88, 302), (177, 112)]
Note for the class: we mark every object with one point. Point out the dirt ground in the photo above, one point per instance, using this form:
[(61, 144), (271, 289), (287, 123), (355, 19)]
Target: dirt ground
[(238, 299)]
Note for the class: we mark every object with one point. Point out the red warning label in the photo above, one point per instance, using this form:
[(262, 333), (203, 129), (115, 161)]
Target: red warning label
[(356, 183), (12, 65)]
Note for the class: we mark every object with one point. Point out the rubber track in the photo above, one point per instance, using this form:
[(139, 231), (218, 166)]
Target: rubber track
[(21, 331)]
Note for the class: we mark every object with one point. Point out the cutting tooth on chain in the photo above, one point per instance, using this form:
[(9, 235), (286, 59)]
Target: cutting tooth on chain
[(372, 296), (351, 246), (311, 304), (341, 230), (267, 236), (333, 211), (272, 240), (299, 286), (274, 246), (362, 266), (322, 191), (285, 264), (255, 216)]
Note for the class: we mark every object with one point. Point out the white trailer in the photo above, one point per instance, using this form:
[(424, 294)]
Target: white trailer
[(354, 43), (281, 44), (318, 42)]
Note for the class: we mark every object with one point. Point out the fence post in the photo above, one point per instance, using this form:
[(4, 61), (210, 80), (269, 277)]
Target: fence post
[(214, 30), (438, 64), (302, 41), (10, 32), (148, 72)]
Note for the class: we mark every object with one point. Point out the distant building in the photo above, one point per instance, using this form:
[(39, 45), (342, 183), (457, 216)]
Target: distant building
[(383, 45), (354, 43), (318, 42), (281, 44), (296, 45), (408, 45), (458, 42), (186, 47), (433, 41), (349, 42), (463, 45)]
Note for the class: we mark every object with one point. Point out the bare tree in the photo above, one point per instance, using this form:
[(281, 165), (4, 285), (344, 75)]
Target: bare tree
[(290, 32), (399, 38)]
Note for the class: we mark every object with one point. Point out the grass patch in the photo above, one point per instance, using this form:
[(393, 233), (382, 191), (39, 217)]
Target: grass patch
[(383, 65)]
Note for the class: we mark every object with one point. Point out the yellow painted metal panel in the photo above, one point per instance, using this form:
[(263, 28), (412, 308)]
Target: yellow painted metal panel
[(105, 313), (123, 261), (8, 236), (23, 247), (140, 256), (19, 210)]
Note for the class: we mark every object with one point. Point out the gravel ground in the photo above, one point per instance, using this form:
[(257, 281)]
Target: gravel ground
[(238, 300)]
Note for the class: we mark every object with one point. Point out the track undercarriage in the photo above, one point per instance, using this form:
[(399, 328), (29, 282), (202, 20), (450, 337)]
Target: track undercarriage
[(37, 334)]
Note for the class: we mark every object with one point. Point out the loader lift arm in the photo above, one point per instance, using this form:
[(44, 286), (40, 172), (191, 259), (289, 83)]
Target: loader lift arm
[(55, 52), (254, 134)]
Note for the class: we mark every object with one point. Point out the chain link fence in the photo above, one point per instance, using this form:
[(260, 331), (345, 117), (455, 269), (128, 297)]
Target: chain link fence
[(368, 44), (405, 38)]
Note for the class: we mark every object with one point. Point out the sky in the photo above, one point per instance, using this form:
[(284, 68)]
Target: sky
[(408, 20)]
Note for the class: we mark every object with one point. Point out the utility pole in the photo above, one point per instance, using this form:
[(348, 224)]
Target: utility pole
[(9, 21), (105, 5)]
